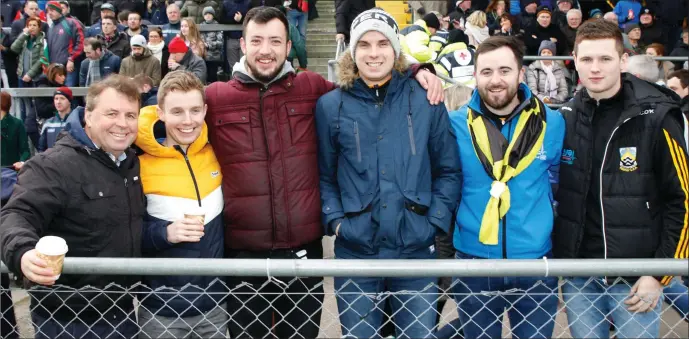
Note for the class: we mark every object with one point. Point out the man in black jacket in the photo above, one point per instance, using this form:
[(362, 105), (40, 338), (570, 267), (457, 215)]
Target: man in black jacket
[(623, 187), (30, 9), (86, 190), (345, 12)]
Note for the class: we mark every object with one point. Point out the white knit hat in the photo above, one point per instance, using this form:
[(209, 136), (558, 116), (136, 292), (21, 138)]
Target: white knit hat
[(375, 20)]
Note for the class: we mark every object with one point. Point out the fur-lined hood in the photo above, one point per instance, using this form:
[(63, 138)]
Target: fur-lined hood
[(347, 72)]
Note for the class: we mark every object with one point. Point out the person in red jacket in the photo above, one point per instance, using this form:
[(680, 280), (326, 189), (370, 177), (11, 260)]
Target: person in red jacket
[(262, 128)]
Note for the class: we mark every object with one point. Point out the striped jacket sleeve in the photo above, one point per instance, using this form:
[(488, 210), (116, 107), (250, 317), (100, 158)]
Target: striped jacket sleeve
[(672, 175)]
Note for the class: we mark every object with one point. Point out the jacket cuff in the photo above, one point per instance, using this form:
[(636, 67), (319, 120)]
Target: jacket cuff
[(160, 241), (332, 226), (439, 216), (17, 262), (415, 68)]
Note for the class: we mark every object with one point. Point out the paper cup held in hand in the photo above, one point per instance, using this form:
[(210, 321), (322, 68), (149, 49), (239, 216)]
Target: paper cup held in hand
[(52, 250), (197, 213)]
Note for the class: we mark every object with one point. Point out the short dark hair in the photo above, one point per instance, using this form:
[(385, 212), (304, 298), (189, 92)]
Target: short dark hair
[(599, 30), (262, 15), (157, 30), (123, 16), (143, 79), (95, 43), (112, 18), (119, 83), (497, 42), (5, 101), (682, 75)]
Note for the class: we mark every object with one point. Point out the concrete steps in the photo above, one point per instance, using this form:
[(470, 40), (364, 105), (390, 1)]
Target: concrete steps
[(320, 38)]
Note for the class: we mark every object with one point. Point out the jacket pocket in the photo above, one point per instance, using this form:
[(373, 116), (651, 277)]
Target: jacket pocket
[(233, 133), (302, 123), (416, 232), (358, 232), (100, 200)]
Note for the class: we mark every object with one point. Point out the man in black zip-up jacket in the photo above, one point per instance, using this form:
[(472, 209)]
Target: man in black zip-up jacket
[(86, 190), (623, 187)]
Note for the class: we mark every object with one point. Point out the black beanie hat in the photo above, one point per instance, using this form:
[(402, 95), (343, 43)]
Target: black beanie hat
[(431, 21)]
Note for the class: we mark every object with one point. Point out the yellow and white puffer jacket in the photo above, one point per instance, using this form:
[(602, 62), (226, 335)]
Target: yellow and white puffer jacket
[(456, 61), (414, 41)]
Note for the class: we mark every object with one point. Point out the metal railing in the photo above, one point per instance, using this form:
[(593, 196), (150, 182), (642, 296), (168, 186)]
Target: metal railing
[(202, 28), (290, 298)]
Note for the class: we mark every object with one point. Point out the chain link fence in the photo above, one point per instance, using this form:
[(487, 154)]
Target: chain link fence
[(254, 298)]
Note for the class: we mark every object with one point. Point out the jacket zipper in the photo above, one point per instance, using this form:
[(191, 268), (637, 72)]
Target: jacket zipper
[(504, 220), (129, 203), (261, 92), (358, 141), (191, 171), (411, 134)]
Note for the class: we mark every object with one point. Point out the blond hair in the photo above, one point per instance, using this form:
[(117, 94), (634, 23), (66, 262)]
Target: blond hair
[(457, 96), (183, 81), (478, 19)]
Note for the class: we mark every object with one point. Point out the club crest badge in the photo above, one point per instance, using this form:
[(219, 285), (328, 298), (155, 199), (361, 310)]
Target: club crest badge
[(628, 159)]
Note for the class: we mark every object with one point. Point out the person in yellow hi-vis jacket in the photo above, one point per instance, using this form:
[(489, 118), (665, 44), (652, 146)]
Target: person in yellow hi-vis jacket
[(415, 39), (456, 60)]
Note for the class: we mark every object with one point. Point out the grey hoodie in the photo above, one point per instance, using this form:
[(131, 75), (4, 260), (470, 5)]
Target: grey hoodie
[(240, 72)]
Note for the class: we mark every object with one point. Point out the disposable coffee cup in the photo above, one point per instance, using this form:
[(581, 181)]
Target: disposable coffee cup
[(52, 250), (196, 213)]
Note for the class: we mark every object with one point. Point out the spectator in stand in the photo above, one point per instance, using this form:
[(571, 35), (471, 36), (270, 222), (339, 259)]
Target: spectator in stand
[(155, 12), (416, 38), (503, 213), (193, 9), (298, 49), (610, 16), (86, 189), (14, 143), (627, 12), (45, 108), (123, 19), (65, 42), (214, 42), (644, 67), (169, 159), (678, 81), (494, 13), (134, 26), (634, 38), (569, 30), (29, 47), (114, 41), (560, 13), (9, 9), (235, 10), (345, 12), (476, 28), (67, 11), (596, 14), (546, 78), (460, 11), (106, 10), (149, 93), (100, 62), (62, 99), (544, 30), (664, 67), (509, 26), (527, 18), (141, 61), (136, 6), (191, 36), (183, 58), (298, 14), (156, 44), (456, 60), (651, 30), (670, 15), (682, 50), (30, 10), (172, 28)]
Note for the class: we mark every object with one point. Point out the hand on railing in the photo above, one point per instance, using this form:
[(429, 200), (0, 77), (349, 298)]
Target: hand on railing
[(340, 45)]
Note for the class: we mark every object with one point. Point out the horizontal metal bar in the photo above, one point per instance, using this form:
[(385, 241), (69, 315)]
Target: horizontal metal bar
[(42, 91), (202, 28), (377, 268)]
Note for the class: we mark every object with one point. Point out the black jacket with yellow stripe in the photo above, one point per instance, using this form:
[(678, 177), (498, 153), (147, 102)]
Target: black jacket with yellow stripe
[(643, 182)]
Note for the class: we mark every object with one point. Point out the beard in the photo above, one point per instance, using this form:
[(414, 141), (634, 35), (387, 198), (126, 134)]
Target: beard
[(261, 76), (495, 101)]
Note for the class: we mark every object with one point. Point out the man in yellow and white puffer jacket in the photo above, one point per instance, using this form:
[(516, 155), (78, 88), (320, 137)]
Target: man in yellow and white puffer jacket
[(415, 40)]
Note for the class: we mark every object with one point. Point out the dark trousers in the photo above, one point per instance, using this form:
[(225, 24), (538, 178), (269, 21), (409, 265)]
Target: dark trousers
[(260, 308), (8, 323), (115, 324)]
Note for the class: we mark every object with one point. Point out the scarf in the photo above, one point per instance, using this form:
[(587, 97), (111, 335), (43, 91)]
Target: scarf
[(157, 50), (93, 76), (504, 160), (550, 80)]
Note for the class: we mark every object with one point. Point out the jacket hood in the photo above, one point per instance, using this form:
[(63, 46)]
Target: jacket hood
[(107, 54), (75, 127), (147, 54), (146, 140), (475, 101), (347, 72), (241, 73)]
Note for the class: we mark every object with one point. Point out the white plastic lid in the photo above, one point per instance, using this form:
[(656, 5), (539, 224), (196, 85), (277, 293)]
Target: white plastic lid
[(52, 245)]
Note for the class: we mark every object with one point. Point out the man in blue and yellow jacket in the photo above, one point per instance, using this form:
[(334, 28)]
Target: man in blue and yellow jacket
[(181, 177)]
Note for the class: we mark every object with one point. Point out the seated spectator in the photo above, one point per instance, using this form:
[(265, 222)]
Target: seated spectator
[(182, 58), (494, 12), (106, 10), (99, 63), (155, 12), (115, 41), (15, 144), (415, 39), (191, 36), (596, 14), (543, 30), (560, 13), (546, 78), (509, 26), (156, 43), (141, 61), (644, 67), (664, 67), (651, 31), (569, 30), (476, 28), (215, 42), (193, 9), (149, 93), (682, 49), (52, 127), (527, 17), (627, 12), (634, 38), (134, 25), (45, 109)]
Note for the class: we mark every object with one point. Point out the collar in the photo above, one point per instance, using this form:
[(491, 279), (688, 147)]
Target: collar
[(116, 160)]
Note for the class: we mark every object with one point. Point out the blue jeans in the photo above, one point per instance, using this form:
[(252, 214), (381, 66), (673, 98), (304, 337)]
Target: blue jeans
[(361, 301), (677, 295), (531, 304), (589, 303), (112, 325), (298, 19)]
